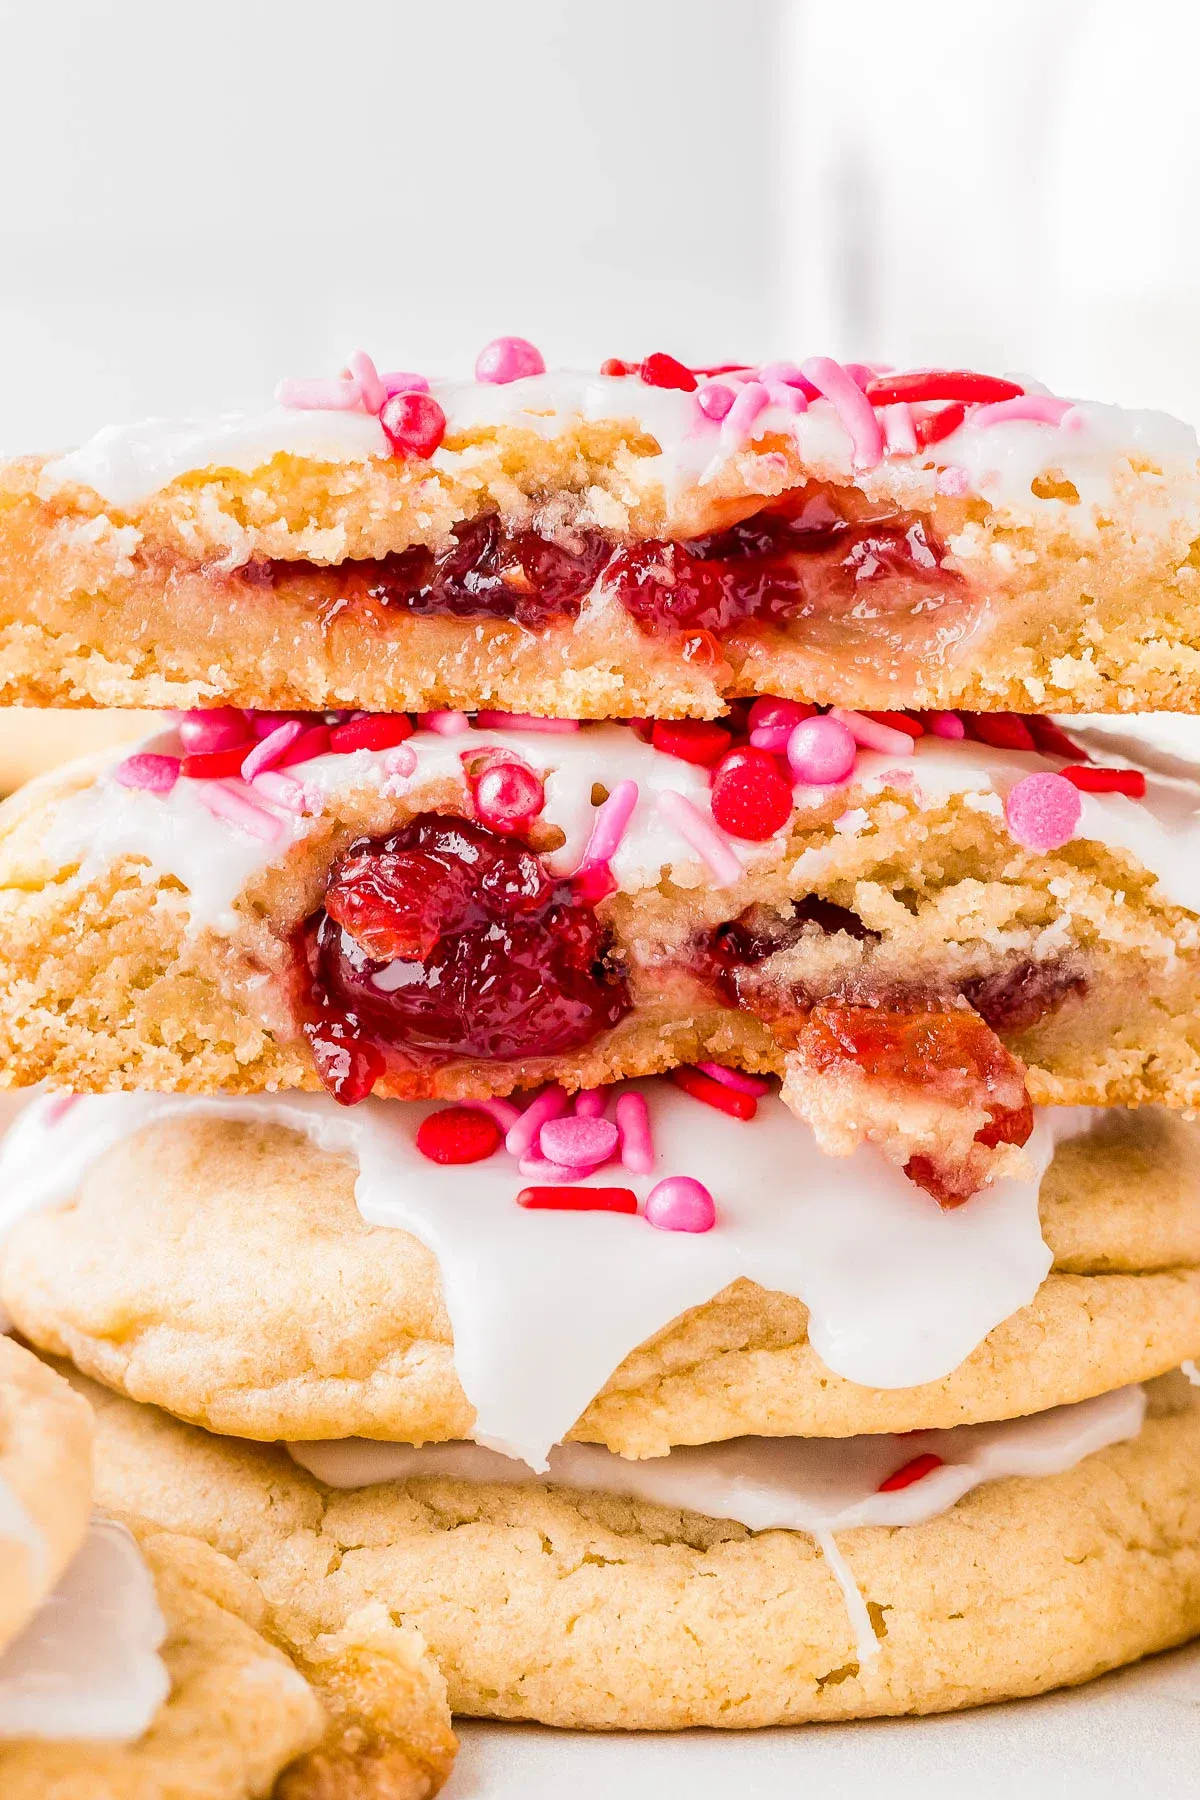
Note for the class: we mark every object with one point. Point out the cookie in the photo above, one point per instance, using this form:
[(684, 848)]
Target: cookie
[(45, 1483), (592, 1611), (603, 545)]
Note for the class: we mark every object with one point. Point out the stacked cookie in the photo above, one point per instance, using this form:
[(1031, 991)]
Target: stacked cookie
[(620, 1089)]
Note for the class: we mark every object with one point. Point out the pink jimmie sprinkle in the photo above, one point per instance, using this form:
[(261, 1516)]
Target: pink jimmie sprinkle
[(401, 381), (1043, 812), (718, 856), (222, 728), (502, 721), (502, 1111), (851, 406), (578, 1143), (57, 1106), (446, 724), (715, 400), (780, 393), (1039, 409), (790, 374), (821, 752), (508, 359), (609, 826), (282, 790), (226, 801), (157, 774), (737, 427), (370, 386), (872, 735), (521, 1136), (680, 1204), (318, 396), (735, 1079), (267, 752), (637, 1140), (590, 1103), (899, 432), (947, 725)]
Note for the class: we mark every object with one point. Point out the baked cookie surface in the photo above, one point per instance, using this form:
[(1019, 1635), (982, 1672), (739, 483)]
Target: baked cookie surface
[(45, 1482)]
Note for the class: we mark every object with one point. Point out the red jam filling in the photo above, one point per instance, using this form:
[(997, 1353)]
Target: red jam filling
[(447, 940)]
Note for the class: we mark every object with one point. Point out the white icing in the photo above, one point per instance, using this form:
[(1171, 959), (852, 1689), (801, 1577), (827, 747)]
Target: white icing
[(215, 859), (87, 1665), (815, 1485), (545, 1305)]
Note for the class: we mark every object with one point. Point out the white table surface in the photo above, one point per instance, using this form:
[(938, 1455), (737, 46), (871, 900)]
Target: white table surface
[(1131, 1734)]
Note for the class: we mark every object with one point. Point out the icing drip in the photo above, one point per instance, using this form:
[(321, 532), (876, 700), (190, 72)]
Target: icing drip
[(816, 1485), (545, 1305), (87, 1664)]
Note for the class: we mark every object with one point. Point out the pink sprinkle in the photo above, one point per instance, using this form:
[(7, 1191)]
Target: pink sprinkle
[(703, 836), (947, 725), (790, 398), (591, 1102), (609, 825), (736, 1079), (503, 1111), (282, 790), (551, 1103), (1043, 812), (637, 1141), (401, 761), (318, 396), (715, 400), (262, 724), (578, 1142), (1041, 409), (221, 728), (772, 722), (789, 373), (737, 427), (267, 752), (502, 721), (872, 735), (821, 752), (509, 359), (312, 741), (401, 381), (373, 392), (536, 1168), (851, 406), (680, 1204), (899, 432), (57, 1107), (446, 724), (225, 801), (157, 774)]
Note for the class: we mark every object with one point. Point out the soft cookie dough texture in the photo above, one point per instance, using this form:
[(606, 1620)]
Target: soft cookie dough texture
[(45, 1483), (222, 1270), (585, 1610)]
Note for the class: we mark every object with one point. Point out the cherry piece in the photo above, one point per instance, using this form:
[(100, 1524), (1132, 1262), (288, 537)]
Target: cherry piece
[(916, 1470), (578, 1199), (215, 765), (376, 731), (458, 1134), (940, 384), (1106, 781), (663, 371), (348, 1067), (715, 1093), (751, 799), (700, 741), (413, 424)]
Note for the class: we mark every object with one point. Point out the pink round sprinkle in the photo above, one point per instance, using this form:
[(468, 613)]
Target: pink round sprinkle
[(222, 728), (1043, 812), (158, 774), (581, 1143), (591, 1102), (715, 400), (536, 1168), (736, 1079), (680, 1204), (551, 1103), (401, 761), (637, 1141), (821, 752), (947, 725), (508, 796), (509, 359), (872, 735)]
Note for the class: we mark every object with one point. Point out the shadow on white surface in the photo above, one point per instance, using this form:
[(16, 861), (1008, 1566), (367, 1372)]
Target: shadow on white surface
[(1133, 1733)]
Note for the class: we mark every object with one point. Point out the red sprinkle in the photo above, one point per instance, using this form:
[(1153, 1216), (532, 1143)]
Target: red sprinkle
[(692, 740), (1106, 781), (916, 1470), (940, 384), (898, 721), (593, 883), (1053, 740), (714, 1093), (751, 797), (1003, 731), (932, 427), (310, 743), (459, 1134), (378, 731), (663, 371), (613, 365), (578, 1199), (414, 424), (215, 765)]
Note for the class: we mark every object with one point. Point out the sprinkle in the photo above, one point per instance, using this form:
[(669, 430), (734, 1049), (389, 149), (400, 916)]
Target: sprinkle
[(579, 1142), (662, 371), (504, 721), (609, 826), (58, 1106), (318, 396), (222, 728), (267, 752), (821, 752), (401, 762), (940, 384), (402, 381), (718, 856), (899, 432), (680, 1204), (1039, 409), (772, 722), (282, 790), (790, 374), (1052, 740), (551, 1103), (1130, 782), (751, 795), (312, 742), (714, 1093), (715, 400), (851, 406), (225, 801), (446, 724), (213, 765), (1003, 731), (871, 735), (899, 721), (1043, 812), (504, 1112), (579, 1199), (947, 725), (374, 731), (157, 774), (458, 1134), (413, 424), (591, 1102), (737, 427), (953, 482), (934, 423), (373, 392), (637, 1141), (508, 359), (789, 398), (536, 1168), (700, 741), (735, 1079), (916, 1470)]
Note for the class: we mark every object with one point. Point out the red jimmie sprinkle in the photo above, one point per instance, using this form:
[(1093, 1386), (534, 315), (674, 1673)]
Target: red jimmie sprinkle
[(379, 731), (932, 427), (215, 765), (663, 371), (1053, 740), (692, 740), (1106, 781), (310, 743), (458, 1134), (898, 721), (916, 1470), (715, 1093), (613, 365), (579, 1199), (940, 384), (1004, 731)]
